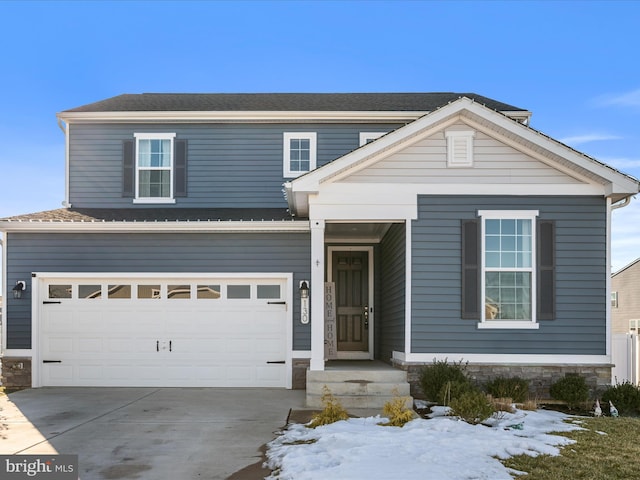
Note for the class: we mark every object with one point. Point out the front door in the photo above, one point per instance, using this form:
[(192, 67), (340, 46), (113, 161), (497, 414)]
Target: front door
[(350, 272)]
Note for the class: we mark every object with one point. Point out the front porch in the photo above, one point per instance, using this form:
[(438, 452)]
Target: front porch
[(357, 383)]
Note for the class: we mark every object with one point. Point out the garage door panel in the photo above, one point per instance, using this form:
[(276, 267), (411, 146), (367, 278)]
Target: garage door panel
[(198, 341)]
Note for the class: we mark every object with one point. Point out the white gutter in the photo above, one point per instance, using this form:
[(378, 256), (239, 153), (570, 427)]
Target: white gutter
[(65, 130), (3, 292), (622, 204), (168, 226)]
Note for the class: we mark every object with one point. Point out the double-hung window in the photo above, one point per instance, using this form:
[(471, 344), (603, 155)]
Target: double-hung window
[(299, 153), (154, 168), (508, 277)]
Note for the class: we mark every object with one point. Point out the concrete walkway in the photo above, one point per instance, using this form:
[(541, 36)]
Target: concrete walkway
[(147, 433)]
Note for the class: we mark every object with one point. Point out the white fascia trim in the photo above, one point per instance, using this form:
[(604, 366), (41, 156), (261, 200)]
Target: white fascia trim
[(501, 359), (240, 116), (67, 166), (196, 226)]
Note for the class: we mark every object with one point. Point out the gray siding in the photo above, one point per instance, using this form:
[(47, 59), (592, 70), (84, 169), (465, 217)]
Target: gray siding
[(580, 324), (158, 252), (229, 165), (391, 313)]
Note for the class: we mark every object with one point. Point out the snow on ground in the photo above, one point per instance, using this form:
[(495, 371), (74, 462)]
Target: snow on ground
[(440, 448)]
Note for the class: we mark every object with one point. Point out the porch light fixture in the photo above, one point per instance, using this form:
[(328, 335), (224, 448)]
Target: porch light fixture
[(20, 287), (304, 302), (304, 289)]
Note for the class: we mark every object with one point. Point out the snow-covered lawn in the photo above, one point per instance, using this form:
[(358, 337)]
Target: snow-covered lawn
[(440, 448)]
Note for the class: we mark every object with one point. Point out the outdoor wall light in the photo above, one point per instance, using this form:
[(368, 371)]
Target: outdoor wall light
[(304, 289), (20, 287), (304, 302)]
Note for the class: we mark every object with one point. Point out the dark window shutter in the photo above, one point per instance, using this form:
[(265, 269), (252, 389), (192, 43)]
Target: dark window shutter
[(471, 269), (180, 169), (546, 265), (128, 168)]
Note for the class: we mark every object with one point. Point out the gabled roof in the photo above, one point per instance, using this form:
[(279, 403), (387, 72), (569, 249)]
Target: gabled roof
[(193, 102), (616, 185)]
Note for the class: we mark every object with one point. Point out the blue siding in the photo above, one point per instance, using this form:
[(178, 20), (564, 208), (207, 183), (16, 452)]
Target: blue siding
[(580, 324), (229, 165), (158, 252), (391, 312)]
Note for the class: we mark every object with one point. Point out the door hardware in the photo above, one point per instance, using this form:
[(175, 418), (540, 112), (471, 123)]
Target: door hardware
[(277, 361), (169, 345), (157, 345), (276, 303), (49, 302), (51, 361)]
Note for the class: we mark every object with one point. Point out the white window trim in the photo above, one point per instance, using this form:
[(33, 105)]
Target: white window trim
[(455, 135), (367, 136), (154, 200), (508, 215), (286, 138)]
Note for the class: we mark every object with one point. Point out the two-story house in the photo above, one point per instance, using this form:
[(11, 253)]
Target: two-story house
[(261, 239)]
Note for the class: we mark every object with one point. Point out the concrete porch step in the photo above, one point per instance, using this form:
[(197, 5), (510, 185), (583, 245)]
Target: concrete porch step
[(357, 387)]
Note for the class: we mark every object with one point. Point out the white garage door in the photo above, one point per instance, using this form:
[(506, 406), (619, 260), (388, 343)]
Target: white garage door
[(163, 332)]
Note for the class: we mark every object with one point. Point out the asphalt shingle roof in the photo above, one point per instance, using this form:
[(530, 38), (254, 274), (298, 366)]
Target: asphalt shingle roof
[(197, 102), (154, 215)]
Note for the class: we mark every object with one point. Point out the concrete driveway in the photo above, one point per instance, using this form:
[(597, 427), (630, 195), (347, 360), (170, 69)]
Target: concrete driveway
[(147, 433)]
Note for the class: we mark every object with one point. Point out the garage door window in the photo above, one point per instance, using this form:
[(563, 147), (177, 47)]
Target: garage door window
[(119, 291), (60, 291), (268, 291), (238, 291), (149, 291), (89, 291), (179, 291), (209, 291)]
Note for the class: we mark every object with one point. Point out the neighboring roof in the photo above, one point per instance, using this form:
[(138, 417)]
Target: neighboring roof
[(92, 215), (626, 267), (288, 102)]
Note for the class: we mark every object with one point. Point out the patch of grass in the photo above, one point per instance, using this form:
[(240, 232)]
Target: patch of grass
[(613, 456)]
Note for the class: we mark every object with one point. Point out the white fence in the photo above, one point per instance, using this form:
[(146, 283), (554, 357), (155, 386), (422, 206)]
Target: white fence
[(625, 349)]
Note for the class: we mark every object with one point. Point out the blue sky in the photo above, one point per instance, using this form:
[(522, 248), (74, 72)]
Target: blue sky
[(573, 64)]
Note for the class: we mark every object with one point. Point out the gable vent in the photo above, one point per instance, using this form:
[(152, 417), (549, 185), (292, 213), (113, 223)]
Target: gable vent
[(459, 148)]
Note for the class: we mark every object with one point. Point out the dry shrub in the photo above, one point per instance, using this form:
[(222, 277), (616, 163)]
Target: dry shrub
[(332, 412), (397, 412), (528, 405)]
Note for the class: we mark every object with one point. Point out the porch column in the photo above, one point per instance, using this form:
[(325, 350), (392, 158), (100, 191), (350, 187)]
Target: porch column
[(317, 295)]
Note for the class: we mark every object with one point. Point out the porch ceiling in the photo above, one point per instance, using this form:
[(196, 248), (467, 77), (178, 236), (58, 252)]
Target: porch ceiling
[(356, 232)]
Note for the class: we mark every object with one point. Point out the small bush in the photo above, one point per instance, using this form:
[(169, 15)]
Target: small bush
[(625, 396), (333, 410), (473, 407), (451, 390), (397, 412), (515, 388), (529, 405), (504, 404), (433, 377), (572, 389)]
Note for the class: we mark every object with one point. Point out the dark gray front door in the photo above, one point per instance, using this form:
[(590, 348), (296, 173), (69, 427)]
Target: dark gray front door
[(351, 275)]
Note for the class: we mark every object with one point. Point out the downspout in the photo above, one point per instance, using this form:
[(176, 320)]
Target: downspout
[(65, 130)]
